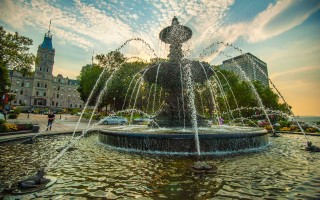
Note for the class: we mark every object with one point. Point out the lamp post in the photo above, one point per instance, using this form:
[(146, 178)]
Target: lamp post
[(11, 74), (68, 101), (114, 103)]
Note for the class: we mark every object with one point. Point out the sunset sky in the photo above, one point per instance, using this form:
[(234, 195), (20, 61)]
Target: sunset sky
[(284, 33)]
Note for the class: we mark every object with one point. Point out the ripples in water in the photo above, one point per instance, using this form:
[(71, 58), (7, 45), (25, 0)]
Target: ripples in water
[(282, 170)]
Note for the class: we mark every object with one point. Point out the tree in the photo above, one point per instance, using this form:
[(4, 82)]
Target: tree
[(87, 79), (14, 52)]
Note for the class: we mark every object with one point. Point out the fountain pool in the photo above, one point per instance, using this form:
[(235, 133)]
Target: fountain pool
[(279, 171)]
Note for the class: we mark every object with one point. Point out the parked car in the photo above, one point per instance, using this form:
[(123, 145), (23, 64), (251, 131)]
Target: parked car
[(114, 120), (142, 120)]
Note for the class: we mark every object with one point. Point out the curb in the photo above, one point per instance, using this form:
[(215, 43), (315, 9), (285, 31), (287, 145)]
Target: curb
[(30, 136)]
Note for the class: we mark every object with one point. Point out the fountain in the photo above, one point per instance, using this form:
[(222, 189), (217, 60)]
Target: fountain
[(182, 130), (99, 170)]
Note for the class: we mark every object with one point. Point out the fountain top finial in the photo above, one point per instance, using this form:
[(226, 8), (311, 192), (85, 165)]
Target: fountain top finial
[(175, 21)]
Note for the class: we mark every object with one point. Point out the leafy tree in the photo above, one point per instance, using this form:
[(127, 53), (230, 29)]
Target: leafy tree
[(238, 94), (88, 76), (120, 82), (14, 52), (117, 86)]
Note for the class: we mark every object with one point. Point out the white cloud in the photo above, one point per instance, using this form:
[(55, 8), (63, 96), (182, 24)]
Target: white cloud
[(279, 18)]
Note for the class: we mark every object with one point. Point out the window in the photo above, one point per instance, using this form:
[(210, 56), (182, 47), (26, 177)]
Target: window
[(40, 68), (57, 95), (58, 88), (44, 94), (21, 92), (27, 84), (38, 84), (45, 85), (37, 93), (52, 103), (22, 84)]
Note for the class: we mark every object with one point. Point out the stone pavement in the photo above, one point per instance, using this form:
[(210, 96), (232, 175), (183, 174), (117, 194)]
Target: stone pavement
[(62, 124)]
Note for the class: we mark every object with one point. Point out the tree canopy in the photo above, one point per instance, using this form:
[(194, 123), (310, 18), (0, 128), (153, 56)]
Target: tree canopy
[(14, 54)]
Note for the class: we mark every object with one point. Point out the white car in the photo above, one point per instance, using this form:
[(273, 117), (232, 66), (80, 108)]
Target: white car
[(114, 120)]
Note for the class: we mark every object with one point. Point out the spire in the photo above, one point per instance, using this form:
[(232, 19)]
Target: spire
[(49, 26)]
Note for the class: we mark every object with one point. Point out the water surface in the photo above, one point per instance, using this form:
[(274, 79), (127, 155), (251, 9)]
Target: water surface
[(280, 171)]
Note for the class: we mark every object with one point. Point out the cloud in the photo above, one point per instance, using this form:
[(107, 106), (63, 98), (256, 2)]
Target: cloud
[(280, 17), (110, 24), (295, 71)]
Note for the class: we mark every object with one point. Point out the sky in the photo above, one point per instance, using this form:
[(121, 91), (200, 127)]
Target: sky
[(283, 33)]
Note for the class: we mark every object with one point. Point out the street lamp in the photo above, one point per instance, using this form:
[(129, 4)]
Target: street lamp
[(68, 101), (114, 103)]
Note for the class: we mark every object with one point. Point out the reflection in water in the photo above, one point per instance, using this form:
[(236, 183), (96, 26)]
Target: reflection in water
[(282, 170)]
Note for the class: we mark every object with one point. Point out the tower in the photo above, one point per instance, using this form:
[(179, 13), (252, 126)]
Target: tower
[(45, 55), (43, 71)]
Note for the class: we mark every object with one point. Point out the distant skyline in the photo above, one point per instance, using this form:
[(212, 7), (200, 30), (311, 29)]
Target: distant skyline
[(284, 33)]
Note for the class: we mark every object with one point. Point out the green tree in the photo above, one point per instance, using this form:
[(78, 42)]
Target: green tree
[(120, 82), (14, 53), (87, 79)]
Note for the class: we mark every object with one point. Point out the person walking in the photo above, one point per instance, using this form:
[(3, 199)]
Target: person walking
[(51, 117)]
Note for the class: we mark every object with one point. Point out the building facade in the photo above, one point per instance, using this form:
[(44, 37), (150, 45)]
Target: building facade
[(41, 89), (254, 68)]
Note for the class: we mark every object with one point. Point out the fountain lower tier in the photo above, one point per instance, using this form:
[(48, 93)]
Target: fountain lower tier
[(184, 143)]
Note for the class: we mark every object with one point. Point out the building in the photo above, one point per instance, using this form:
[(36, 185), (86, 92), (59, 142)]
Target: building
[(254, 68), (41, 89)]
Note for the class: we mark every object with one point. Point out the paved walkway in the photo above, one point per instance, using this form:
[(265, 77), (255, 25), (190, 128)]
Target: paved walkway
[(62, 124)]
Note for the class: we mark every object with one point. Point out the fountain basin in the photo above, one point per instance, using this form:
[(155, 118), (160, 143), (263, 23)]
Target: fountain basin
[(180, 142)]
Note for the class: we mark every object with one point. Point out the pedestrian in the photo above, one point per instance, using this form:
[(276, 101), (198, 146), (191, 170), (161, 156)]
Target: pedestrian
[(220, 121), (51, 117)]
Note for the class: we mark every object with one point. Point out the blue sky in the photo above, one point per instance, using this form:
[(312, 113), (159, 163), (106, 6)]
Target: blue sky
[(283, 33)]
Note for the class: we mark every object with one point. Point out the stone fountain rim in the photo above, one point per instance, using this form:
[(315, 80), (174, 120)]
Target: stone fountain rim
[(182, 135)]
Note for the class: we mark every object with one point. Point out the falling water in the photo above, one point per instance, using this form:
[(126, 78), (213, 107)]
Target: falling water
[(191, 104), (155, 88), (235, 100), (149, 96), (125, 98), (182, 97), (135, 101)]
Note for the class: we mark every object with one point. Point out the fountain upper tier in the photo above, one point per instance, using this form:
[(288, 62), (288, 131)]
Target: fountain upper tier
[(175, 34)]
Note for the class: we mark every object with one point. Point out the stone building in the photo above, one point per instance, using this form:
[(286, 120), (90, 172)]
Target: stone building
[(254, 68), (41, 89)]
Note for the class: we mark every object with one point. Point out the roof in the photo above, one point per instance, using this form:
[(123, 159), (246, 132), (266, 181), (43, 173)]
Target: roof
[(73, 82), (47, 41)]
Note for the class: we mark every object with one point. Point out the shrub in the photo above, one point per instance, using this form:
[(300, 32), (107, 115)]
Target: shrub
[(285, 129), (268, 128), (12, 116), (311, 129), (2, 121), (294, 128), (10, 127), (21, 127), (17, 110)]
